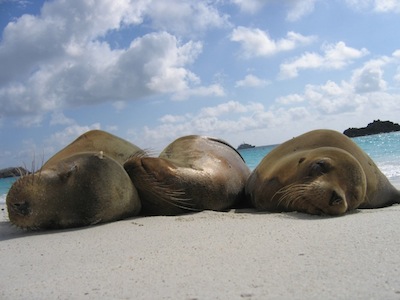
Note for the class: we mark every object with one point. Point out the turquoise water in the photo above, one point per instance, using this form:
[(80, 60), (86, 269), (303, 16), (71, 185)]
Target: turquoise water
[(384, 149), (5, 184)]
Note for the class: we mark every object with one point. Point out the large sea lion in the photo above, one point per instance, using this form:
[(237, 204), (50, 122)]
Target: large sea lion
[(83, 184), (193, 173), (319, 172)]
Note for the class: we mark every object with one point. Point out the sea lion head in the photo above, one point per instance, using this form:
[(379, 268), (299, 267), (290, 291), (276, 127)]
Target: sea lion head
[(83, 189), (323, 180)]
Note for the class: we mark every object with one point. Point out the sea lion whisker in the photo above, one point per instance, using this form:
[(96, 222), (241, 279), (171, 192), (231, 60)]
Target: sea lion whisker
[(290, 194), (139, 154), (25, 170), (176, 201), (286, 189), (166, 192), (150, 152), (169, 198)]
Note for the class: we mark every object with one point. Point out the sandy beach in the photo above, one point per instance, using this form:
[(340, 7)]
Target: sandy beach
[(209, 255)]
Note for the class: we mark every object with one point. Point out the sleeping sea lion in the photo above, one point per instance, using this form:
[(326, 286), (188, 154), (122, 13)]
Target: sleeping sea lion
[(193, 173), (319, 172), (83, 184)]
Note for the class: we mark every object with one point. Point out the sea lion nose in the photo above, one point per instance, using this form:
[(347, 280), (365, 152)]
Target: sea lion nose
[(336, 199), (21, 208)]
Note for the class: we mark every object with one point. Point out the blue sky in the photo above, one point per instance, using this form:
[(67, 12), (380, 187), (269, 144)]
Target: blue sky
[(152, 71)]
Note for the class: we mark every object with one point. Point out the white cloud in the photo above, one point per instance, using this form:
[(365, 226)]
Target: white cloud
[(290, 99), (32, 40), (185, 17), (229, 120), (379, 6), (387, 5), (256, 42), (250, 6), (172, 119), (69, 134), (296, 9), (29, 121), (229, 107), (119, 105), (154, 63), (345, 98), (58, 118), (339, 55), (396, 53), (334, 57), (111, 128), (226, 118), (251, 81), (60, 58), (306, 61), (300, 9), (330, 98), (369, 78), (330, 105), (215, 90), (397, 76)]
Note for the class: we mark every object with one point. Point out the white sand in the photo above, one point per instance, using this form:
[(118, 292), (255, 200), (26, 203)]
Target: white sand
[(209, 255)]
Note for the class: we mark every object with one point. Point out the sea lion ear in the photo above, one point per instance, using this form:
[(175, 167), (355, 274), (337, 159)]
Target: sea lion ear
[(100, 155), (64, 175), (301, 160)]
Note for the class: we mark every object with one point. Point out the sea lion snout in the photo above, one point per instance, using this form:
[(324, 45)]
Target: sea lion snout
[(328, 195), (336, 199), (21, 208)]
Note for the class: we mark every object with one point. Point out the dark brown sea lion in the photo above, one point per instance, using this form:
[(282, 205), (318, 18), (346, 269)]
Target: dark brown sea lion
[(193, 173), (83, 184), (319, 172)]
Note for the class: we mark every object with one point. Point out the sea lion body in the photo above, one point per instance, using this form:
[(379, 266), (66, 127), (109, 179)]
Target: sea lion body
[(97, 140), (193, 173), (319, 172), (83, 184)]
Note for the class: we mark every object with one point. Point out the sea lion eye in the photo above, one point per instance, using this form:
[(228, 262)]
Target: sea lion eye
[(319, 167)]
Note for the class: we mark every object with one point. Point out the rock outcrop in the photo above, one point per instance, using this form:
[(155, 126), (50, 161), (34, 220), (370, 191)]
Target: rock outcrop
[(375, 127), (13, 172)]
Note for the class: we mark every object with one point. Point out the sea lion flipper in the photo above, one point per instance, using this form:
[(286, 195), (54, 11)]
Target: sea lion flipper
[(159, 192)]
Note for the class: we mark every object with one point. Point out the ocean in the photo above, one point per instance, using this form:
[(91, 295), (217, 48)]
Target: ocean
[(384, 149)]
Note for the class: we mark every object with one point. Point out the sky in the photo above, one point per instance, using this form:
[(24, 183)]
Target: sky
[(150, 71)]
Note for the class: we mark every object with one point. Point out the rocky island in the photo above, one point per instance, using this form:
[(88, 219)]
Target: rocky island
[(13, 172), (375, 127)]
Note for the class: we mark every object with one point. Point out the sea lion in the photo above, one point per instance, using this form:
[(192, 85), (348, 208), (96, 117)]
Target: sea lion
[(193, 173), (319, 172), (83, 184)]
